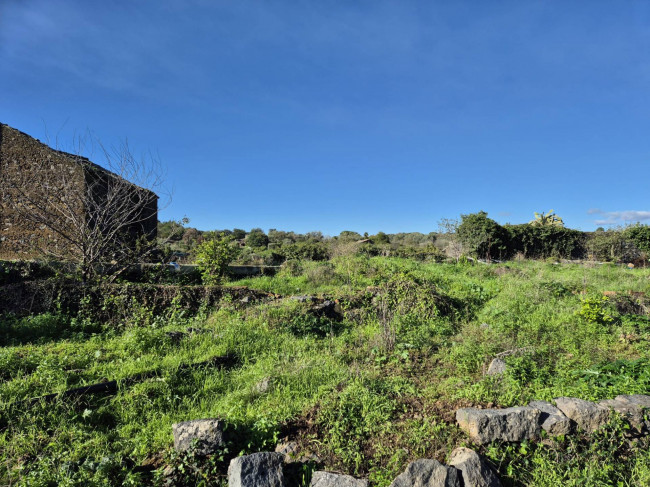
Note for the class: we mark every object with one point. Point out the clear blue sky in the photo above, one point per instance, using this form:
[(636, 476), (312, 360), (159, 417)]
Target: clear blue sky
[(338, 115)]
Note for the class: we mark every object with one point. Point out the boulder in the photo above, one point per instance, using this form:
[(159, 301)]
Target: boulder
[(327, 309), (553, 421), (207, 433), (634, 408), (262, 469), (329, 479), (511, 424), (428, 473), (474, 470), (588, 415), (497, 367)]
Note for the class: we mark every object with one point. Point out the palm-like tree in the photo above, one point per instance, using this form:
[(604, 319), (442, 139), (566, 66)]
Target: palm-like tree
[(549, 219)]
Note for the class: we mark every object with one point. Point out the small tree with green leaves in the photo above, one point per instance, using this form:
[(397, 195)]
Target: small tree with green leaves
[(256, 238), (213, 257)]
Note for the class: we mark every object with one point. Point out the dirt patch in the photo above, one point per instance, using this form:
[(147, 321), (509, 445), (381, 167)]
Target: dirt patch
[(631, 304)]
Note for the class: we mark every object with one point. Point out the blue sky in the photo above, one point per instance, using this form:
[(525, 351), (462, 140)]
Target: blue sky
[(365, 115)]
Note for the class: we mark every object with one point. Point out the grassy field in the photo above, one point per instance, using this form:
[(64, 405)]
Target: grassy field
[(366, 394)]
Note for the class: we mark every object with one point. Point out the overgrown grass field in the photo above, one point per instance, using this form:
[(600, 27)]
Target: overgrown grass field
[(367, 393)]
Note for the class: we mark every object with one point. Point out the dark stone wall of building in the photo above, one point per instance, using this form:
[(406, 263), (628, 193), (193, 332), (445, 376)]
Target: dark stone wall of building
[(26, 160)]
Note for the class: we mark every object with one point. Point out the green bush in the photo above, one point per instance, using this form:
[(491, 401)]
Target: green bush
[(213, 257), (540, 242), (257, 238), (593, 310), (482, 236), (640, 236), (308, 250)]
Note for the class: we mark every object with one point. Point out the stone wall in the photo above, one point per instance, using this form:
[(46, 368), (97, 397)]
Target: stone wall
[(20, 239), (25, 162)]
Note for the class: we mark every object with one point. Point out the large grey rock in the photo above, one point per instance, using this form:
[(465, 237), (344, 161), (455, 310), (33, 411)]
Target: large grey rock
[(262, 469), (208, 434), (554, 422), (511, 424), (588, 415), (475, 471), (428, 473), (497, 367), (634, 408), (329, 479)]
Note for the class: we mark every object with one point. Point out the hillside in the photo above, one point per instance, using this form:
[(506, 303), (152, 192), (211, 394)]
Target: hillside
[(361, 361)]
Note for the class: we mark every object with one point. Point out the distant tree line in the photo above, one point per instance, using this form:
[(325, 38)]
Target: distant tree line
[(547, 237), (474, 235)]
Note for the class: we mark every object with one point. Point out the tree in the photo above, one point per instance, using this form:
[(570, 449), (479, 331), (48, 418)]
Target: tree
[(349, 236), (213, 257), (549, 219), (101, 218), (380, 238), (482, 236), (448, 227), (640, 237), (238, 233), (257, 238)]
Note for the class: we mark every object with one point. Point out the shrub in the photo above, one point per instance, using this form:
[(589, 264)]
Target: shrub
[(428, 253), (257, 238), (542, 241), (593, 311), (639, 235), (482, 236), (213, 257), (309, 250)]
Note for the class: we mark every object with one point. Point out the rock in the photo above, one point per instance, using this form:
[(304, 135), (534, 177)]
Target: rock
[(263, 386), (328, 479), (290, 449), (497, 367), (511, 424), (588, 415), (428, 473), (553, 421), (262, 469), (474, 470), (293, 454), (328, 309), (303, 299), (633, 408), (208, 434)]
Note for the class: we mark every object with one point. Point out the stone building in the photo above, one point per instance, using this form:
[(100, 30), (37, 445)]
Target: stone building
[(68, 191)]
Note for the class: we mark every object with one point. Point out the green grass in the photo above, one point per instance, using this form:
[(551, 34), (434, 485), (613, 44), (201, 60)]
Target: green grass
[(367, 395)]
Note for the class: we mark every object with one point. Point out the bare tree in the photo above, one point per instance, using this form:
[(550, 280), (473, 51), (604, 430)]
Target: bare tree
[(99, 217), (453, 246)]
